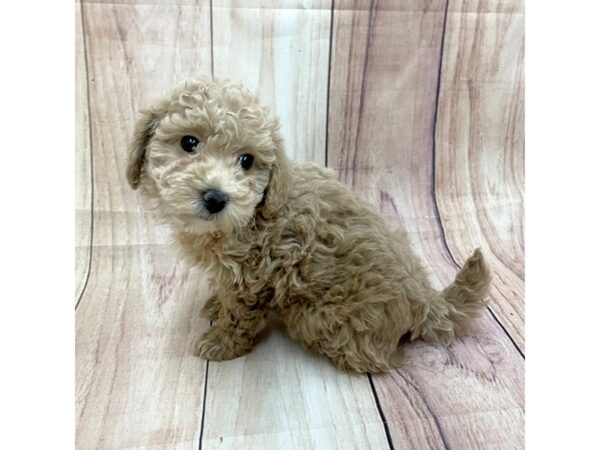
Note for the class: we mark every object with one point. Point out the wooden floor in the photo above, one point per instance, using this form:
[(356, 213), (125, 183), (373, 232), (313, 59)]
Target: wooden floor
[(416, 104)]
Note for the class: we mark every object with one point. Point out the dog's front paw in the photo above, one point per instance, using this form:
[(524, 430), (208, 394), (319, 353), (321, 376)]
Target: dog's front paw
[(217, 344), (210, 310)]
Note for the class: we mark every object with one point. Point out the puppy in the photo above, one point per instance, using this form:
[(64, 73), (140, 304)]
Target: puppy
[(286, 237)]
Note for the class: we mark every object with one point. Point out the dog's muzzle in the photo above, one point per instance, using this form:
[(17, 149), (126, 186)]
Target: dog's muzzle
[(214, 200)]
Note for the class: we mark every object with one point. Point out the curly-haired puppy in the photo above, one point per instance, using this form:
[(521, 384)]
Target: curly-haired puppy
[(286, 237)]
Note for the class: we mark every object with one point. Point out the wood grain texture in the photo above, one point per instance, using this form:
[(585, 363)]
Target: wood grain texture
[(480, 146), (83, 180), (300, 401), (282, 396), (382, 97), (281, 51), (137, 383), (383, 100)]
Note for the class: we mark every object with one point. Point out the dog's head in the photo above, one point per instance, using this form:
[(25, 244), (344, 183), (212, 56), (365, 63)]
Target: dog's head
[(211, 156)]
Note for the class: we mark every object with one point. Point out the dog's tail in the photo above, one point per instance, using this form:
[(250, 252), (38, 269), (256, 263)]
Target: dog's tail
[(451, 311)]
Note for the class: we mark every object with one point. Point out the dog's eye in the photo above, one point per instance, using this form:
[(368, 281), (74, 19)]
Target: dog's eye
[(189, 143), (246, 161)]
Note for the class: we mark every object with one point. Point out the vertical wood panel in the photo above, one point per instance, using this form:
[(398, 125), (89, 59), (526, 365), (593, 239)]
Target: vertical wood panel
[(383, 98), (280, 50), (382, 102), (480, 146), (283, 396), (137, 383), (83, 182)]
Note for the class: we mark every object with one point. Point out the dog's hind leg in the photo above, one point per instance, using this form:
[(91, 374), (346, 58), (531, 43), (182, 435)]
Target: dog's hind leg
[(362, 356), (354, 338)]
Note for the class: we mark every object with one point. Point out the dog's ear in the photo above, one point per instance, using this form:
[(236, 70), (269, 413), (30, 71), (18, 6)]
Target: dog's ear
[(142, 133), (277, 189)]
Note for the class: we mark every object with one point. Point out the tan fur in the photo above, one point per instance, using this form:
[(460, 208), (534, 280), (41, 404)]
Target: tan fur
[(311, 251)]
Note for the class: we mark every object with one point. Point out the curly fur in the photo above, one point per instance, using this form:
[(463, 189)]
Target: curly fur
[(292, 239)]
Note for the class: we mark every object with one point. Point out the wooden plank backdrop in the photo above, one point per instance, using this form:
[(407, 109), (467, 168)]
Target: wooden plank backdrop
[(417, 105), (138, 385), (83, 176), (480, 146)]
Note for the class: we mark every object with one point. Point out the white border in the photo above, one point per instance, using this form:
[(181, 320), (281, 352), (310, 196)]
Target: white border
[(37, 224), (562, 226)]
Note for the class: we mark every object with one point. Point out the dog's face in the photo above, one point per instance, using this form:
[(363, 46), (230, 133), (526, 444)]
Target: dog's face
[(210, 156)]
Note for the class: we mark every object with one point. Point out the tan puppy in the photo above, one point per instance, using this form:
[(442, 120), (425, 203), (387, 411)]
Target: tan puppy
[(286, 237)]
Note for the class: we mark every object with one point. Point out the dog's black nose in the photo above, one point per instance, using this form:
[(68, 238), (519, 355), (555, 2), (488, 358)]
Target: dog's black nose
[(214, 200)]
